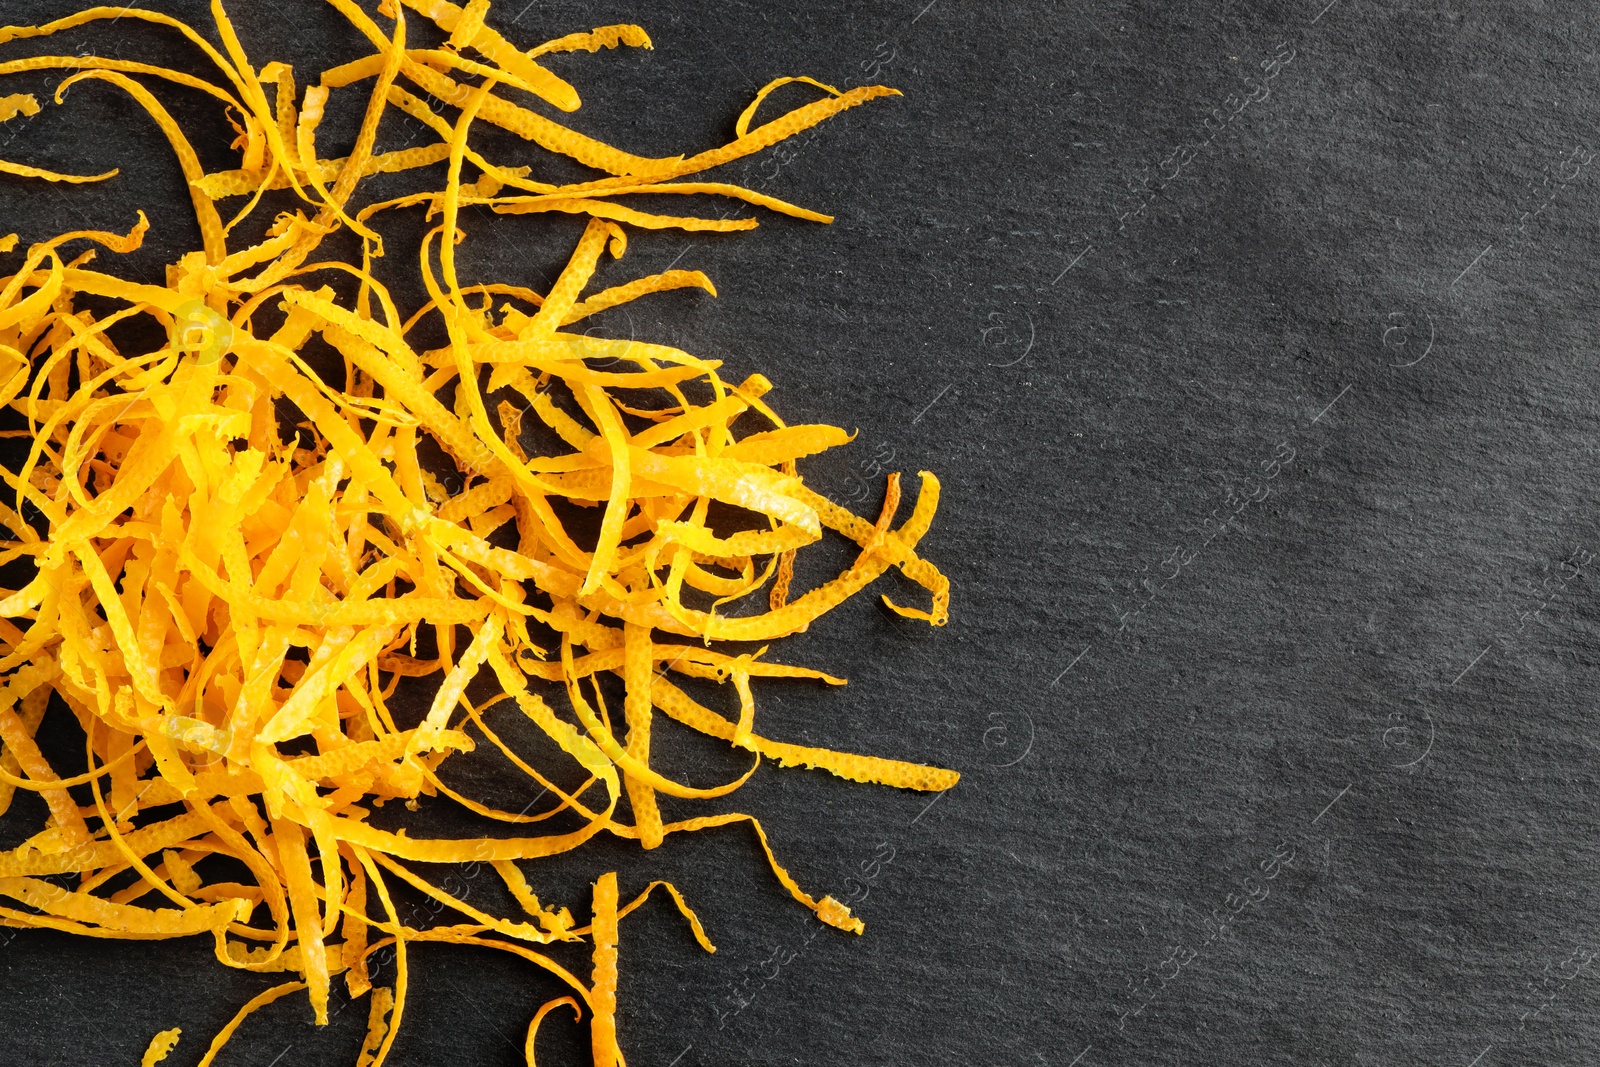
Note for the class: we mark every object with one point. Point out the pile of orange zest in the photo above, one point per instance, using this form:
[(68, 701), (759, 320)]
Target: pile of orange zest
[(228, 613)]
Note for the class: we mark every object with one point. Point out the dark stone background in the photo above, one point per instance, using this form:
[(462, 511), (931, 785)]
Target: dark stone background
[(1265, 413)]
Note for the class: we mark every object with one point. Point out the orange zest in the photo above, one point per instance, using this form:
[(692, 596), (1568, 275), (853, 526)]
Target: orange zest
[(235, 562)]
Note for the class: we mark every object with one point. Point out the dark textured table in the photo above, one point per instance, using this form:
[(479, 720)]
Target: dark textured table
[(1254, 345)]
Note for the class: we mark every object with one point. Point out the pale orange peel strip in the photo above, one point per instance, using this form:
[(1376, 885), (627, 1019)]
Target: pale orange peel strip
[(467, 30), (160, 1047), (205, 211), (229, 613), (22, 170), (177, 77)]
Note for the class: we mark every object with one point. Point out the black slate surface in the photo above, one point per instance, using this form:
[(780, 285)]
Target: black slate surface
[(1254, 346)]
